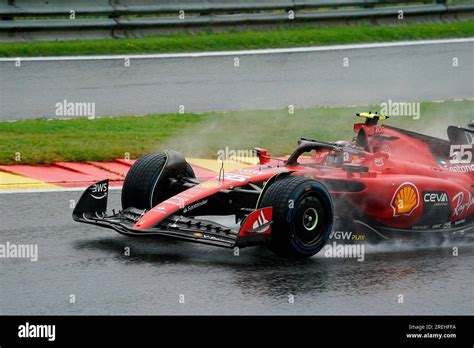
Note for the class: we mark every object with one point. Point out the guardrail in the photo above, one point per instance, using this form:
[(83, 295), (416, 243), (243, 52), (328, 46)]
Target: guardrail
[(63, 15)]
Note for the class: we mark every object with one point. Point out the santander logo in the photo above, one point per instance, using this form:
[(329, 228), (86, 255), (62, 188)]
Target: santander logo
[(258, 221)]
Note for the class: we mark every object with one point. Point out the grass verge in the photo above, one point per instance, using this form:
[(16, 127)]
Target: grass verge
[(210, 41), (102, 139)]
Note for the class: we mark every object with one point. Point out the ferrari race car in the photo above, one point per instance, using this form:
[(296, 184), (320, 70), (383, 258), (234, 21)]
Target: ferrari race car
[(393, 183)]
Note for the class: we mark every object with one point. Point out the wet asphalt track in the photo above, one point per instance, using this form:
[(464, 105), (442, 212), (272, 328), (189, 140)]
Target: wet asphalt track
[(89, 262), (268, 81)]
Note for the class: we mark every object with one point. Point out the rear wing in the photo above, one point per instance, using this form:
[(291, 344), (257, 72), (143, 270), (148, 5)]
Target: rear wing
[(460, 136)]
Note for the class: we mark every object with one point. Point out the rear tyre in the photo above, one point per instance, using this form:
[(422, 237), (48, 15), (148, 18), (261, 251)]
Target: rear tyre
[(302, 216), (148, 181)]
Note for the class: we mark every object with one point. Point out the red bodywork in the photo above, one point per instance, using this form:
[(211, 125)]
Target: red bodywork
[(393, 177)]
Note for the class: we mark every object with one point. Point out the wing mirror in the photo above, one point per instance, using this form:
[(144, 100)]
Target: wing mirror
[(262, 155)]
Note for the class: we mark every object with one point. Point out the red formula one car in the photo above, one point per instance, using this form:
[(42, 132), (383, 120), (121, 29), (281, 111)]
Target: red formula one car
[(391, 182)]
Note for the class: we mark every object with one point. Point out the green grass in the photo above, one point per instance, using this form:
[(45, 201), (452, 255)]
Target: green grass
[(210, 41), (42, 142), (102, 139)]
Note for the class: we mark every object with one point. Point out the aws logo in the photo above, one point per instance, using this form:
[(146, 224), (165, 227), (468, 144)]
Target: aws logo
[(405, 200), (99, 190)]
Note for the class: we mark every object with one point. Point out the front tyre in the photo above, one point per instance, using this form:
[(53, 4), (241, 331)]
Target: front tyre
[(148, 182), (302, 216)]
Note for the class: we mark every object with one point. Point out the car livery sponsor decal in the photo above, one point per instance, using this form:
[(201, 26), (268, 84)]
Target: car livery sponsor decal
[(423, 227), (250, 171), (436, 208), (178, 201), (379, 161), (258, 222), (195, 205), (462, 203), (210, 184), (386, 148), (469, 138), (405, 199), (235, 177), (379, 130), (99, 190), (435, 198), (459, 222), (199, 235), (346, 235), (468, 168)]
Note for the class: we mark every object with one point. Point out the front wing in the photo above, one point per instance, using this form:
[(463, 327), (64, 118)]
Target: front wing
[(92, 207)]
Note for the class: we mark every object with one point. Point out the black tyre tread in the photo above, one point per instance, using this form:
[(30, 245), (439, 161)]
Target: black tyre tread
[(136, 191), (282, 187), (277, 196)]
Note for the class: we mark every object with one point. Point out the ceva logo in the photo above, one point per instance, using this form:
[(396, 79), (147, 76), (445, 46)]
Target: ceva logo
[(435, 197), (405, 200)]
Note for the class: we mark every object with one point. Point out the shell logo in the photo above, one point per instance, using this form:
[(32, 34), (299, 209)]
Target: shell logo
[(405, 200)]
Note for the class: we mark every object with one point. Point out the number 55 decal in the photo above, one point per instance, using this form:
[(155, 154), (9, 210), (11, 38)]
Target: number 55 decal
[(460, 154)]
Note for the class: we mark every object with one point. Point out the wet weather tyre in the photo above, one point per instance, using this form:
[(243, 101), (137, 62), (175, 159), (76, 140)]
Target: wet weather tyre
[(148, 182), (303, 216)]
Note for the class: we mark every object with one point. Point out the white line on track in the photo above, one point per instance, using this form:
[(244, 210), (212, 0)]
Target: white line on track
[(245, 52), (59, 189)]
